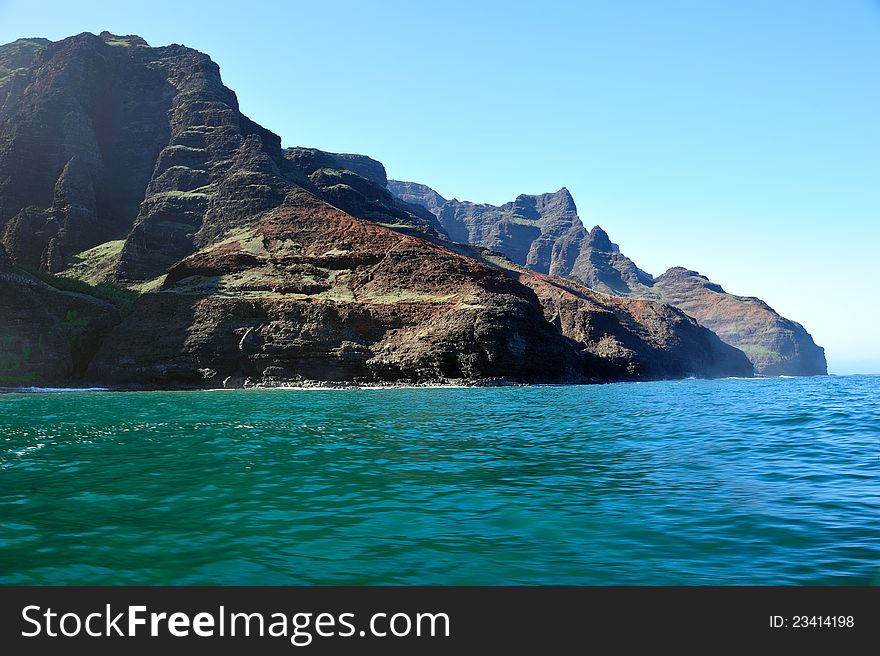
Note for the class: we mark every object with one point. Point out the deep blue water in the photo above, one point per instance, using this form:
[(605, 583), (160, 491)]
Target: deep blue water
[(767, 481)]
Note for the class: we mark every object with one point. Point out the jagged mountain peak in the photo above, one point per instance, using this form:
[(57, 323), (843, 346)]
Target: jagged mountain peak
[(557, 201), (599, 240), (561, 199)]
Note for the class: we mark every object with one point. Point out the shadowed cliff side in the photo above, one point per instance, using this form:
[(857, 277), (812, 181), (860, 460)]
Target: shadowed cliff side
[(47, 335)]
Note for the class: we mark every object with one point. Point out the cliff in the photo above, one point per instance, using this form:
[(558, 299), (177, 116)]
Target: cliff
[(48, 335), (310, 292), (775, 345), (545, 234), (134, 191)]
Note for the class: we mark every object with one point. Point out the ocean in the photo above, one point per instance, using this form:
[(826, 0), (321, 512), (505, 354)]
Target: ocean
[(763, 481)]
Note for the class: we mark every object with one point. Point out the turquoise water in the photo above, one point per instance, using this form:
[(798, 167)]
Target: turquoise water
[(685, 482)]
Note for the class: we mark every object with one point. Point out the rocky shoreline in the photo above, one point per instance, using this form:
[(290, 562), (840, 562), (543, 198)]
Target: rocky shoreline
[(307, 385)]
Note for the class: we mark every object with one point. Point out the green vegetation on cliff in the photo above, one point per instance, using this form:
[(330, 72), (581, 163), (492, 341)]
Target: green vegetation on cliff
[(121, 297)]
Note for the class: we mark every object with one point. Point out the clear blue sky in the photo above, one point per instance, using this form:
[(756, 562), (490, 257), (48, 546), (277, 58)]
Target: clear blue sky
[(740, 139)]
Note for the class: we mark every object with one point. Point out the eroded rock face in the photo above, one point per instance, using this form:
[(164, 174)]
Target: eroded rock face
[(312, 292), (540, 232), (104, 138), (625, 337), (216, 169), (357, 184), (418, 194), (545, 234), (47, 336), (122, 164), (776, 345), (602, 266), (80, 128)]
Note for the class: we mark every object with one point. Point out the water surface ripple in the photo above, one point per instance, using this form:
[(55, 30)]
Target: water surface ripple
[(769, 481)]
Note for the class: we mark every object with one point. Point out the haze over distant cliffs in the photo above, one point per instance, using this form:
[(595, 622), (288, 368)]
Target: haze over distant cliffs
[(545, 234), (152, 235)]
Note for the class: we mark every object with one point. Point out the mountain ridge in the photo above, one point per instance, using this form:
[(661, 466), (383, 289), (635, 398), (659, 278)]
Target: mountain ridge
[(774, 344), (211, 257)]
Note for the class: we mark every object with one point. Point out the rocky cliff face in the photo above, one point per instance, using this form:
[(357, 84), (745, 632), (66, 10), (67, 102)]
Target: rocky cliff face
[(540, 232), (602, 266), (311, 292), (105, 138), (357, 184), (624, 338), (545, 234), (47, 336), (416, 194), (80, 129), (776, 345), (127, 170)]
